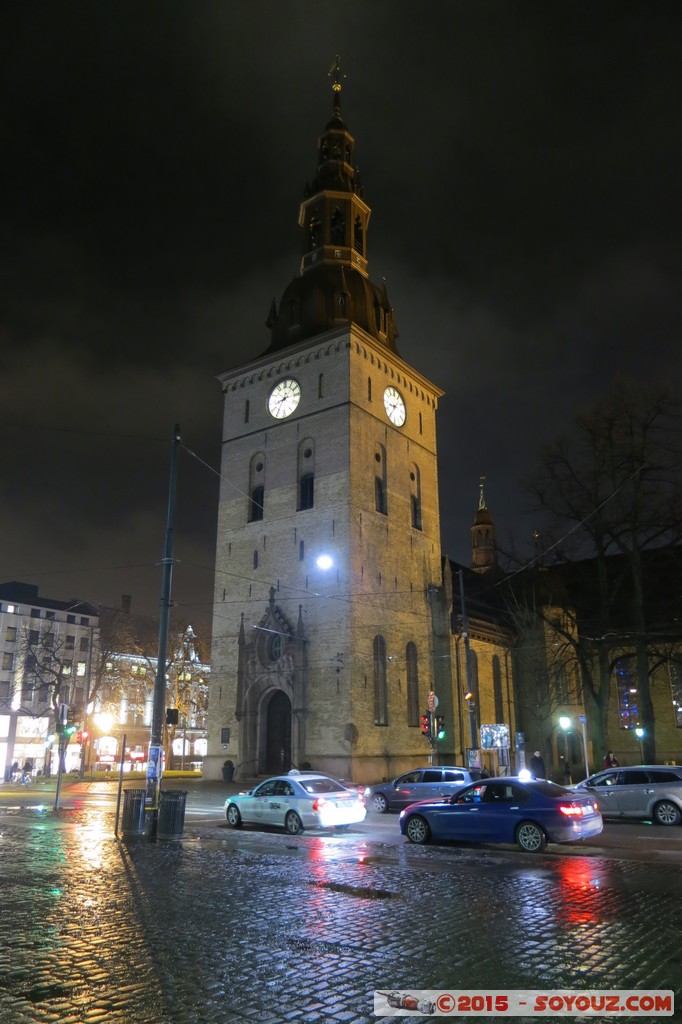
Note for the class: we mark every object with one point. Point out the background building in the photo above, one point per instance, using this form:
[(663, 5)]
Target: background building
[(48, 648)]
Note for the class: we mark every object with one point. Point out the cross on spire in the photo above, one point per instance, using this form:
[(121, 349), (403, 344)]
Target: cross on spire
[(335, 74)]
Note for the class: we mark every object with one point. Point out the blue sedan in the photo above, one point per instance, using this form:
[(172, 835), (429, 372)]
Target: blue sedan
[(507, 810)]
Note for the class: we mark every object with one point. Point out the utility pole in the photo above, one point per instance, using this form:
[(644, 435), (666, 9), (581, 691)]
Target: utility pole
[(467, 661), (155, 758)]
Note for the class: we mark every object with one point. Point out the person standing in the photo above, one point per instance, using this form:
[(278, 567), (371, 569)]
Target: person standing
[(610, 760), (537, 766)]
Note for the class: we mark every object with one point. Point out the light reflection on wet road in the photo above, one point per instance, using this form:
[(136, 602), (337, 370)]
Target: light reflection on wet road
[(226, 926)]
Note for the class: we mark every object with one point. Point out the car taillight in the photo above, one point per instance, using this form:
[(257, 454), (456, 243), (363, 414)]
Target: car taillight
[(319, 803), (571, 810)]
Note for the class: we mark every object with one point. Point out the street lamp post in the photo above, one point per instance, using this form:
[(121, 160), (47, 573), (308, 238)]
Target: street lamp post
[(155, 756), (565, 723), (639, 733), (583, 726), (471, 703)]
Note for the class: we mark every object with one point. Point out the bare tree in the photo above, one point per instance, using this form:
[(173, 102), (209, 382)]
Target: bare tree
[(47, 667), (614, 489)]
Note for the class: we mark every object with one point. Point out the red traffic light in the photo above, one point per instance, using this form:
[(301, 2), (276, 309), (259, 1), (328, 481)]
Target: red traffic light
[(85, 735)]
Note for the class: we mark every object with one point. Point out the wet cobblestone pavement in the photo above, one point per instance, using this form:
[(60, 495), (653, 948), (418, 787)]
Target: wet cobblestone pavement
[(220, 927)]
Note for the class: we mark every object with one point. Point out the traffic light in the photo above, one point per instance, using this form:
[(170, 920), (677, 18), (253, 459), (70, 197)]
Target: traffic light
[(69, 730), (79, 737), (84, 736), (426, 725), (440, 727)]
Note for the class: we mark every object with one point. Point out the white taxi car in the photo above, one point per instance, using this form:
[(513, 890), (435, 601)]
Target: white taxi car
[(296, 801)]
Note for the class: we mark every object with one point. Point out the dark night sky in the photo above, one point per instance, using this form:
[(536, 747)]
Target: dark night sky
[(522, 161)]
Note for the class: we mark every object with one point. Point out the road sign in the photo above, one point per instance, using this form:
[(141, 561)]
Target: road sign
[(582, 718), (433, 701)]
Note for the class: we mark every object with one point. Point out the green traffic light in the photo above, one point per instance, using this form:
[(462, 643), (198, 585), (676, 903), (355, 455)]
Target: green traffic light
[(70, 730)]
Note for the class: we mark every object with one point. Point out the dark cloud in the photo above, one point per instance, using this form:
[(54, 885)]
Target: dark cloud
[(522, 163)]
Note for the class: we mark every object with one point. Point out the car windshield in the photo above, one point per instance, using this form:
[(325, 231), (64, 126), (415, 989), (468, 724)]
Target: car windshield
[(322, 786)]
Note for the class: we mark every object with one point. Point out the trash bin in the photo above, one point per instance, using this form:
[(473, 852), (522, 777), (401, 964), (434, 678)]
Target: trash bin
[(133, 823), (171, 820)]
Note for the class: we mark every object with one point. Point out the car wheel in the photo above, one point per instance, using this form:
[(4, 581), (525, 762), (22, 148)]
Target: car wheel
[(233, 816), (417, 829), (293, 823), (379, 803), (530, 837), (666, 813)]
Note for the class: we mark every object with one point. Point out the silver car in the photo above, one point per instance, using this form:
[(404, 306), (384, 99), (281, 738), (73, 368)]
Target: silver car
[(647, 791), (426, 783), (296, 801)]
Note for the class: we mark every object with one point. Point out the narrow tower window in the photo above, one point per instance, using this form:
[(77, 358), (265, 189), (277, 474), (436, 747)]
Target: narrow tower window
[(380, 689), (306, 474), (256, 487), (380, 498), (415, 497)]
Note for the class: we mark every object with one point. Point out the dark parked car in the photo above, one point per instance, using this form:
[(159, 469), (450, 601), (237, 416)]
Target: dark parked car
[(419, 784), (507, 810), (647, 791)]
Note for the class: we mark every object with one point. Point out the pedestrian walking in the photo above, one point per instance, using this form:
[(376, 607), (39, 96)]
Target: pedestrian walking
[(610, 760), (537, 766)]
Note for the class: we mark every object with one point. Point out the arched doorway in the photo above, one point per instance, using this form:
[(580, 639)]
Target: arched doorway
[(278, 734)]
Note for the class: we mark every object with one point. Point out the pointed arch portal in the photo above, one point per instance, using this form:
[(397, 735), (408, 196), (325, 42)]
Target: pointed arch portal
[(278, 734)]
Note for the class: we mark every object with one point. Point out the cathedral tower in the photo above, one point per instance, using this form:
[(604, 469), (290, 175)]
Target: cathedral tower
[(328, 544)]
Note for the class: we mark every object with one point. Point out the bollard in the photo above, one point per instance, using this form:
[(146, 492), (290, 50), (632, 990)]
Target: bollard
[(171, 819), (133, 823)]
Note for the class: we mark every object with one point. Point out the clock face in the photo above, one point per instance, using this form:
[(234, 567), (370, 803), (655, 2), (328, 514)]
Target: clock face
[(394, 406), (284, 398)]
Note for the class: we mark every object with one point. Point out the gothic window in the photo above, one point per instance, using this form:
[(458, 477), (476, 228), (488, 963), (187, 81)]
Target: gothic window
[(416, 497), (626, 684), (301, 550), (255, 559), (380, 690), (497, 690), (246, 411), (342, 306), (358, 239), (412, 672), (306, 474), (559, 674), (256, 487), (380, 496), (369, 389)]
